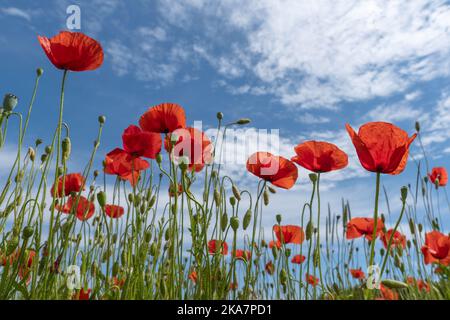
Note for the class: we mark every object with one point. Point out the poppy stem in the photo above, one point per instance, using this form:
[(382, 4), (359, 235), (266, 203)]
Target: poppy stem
[(375, 217)]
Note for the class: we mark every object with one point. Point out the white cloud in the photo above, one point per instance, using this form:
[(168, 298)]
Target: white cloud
[(16, 12), (308, 118), (394, 113), (320, 53)]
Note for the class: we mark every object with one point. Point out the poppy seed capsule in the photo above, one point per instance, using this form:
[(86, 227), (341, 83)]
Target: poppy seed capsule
[(313, 177), (233, 201), (10, 102), (27, 232)]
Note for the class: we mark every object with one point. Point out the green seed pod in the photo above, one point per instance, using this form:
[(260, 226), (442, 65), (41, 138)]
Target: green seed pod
[(266, 198), (313, 177), (236, 192), (224, 221), (39, 72), (232, 201), (10, 102), (243, 121), (66, 148), (101, 198), (27, 232), (142, 208), (247, 219), (234, 223), (394, 284)]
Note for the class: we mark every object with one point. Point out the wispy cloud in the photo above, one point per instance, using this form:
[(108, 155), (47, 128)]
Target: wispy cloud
[(16, 12)]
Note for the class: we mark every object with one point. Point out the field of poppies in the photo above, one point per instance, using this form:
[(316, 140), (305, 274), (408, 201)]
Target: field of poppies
[(65, 235)]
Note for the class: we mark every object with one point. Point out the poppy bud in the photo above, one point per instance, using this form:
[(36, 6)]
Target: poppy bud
[(236, 192), (394, 284), (158, 158), (216, 196), (417, 126), (313, 177), (130, 197), (275, 252), (38, 142), (174, 139), (420, 227), (233, 201), (278, 218), (167, 234), (183, 163), (243, 121), (10, 102), (224, 221), (309, 230), (219, 115), (12, 245), (101, 198), (153, 249), (152, 202), (39, 72), (288, 252), (148, 236), (234, 222), (48, 149), (247, 219), (27, 232), (32, 154), (411, 226), (266, 198), (382, 252), (66, 148), (101, 119), (283, 277), (96, 173), (404, 193)]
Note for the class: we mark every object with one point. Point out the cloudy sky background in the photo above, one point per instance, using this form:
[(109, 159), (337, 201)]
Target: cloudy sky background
[(304, 68)]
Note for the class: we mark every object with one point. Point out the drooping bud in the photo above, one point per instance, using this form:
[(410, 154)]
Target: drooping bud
[(224, 221), (417, 126), (236, 192), (10, 102), (101, 198), (266, 198), (243, 121), (66, 148), (247, 219), (404, 193), (394, 284)]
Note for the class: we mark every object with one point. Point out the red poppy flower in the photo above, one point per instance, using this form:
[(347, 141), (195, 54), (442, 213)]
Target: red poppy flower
[(440, 175), (387, 294), (85, 208), (113, 211), (163, 118), (420, 284), (83, 294), (193, 144), (298, 259), (381, 147), (314, 281), (122, 164), (173, 190), (72, 51), (357, 274), (242, 254), (118, 282), (193, 276), (274, 244), (73, 182), (217, 246), (289, 234), (274, 169), (318, 156), (140, 143), (358, 227), (397, 240), (270, 269), (436, 248)]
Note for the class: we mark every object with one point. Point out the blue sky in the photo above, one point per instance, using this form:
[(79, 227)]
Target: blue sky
[(303, 67)]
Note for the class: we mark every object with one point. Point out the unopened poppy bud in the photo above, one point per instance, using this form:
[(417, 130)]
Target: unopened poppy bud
[(420, 227), (224, 221), (219, 115), (412, 226), (130, 197), (48, 149), (183, 163), (101, 198), (38, 142), (275, 252), (394, 284), (272, 190), (102, 119), (60, 171), (278, 217), (12, 245), (288, 252), (243, 121), (96, 173), (217, 196), (152, 202), (266, 198), (148, 236), (32, 154), (10, 102), (236, 192), (283, 277), (27, 232), (158, 158), (382, 252), (153, 249), (39, 72), (247, 219), (404, 193), (167, 234), (66, 148), (313, 177), (417, 126), (234, 223), (309, 230), (214, 174), (233, 201)]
